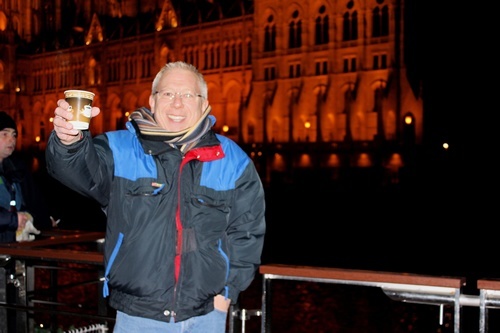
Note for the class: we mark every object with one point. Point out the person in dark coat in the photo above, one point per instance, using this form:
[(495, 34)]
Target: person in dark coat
[(20, 198)]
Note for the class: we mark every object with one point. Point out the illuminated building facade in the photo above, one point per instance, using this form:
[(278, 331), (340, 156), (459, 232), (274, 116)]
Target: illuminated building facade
[(323, 84)]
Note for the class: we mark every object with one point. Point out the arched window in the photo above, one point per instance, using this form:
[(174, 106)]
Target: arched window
[(380, 20), (270, 35), (379, 97), (234, 55), (348, 101), (350, 26), (249, 52), (251, 132), (2, 76), (321, 27), (228, 54), (206, 60), (295, 31), (92, 72), (42, 131)]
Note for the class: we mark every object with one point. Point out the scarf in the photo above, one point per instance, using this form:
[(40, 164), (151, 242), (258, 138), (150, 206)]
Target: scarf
[(144, 121)]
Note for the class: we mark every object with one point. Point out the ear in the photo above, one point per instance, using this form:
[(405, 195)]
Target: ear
[(152, 103)]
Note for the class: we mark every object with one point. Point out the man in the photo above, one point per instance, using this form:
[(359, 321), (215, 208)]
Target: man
[(20, 198), (185, 207)]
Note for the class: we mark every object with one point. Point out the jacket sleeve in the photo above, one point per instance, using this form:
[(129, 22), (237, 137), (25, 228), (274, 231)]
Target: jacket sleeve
[(246, 231), (85, 166), (8, 220)]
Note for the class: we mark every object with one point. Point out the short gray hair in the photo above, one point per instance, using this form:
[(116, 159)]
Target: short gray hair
[(202, 84)]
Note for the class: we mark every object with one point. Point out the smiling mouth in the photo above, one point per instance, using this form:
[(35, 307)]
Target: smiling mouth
[(176, 119)]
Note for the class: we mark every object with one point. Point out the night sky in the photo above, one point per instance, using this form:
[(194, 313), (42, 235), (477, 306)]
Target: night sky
[(456, 66)]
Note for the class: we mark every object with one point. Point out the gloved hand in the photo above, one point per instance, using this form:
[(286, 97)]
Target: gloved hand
[(29, 231)]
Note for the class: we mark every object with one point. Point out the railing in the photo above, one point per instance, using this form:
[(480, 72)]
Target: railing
[(398, 286), (39, 281), (41, 273), (489, 297)]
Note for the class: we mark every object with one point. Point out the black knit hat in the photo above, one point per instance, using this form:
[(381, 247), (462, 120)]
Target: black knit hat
[(6, 121)]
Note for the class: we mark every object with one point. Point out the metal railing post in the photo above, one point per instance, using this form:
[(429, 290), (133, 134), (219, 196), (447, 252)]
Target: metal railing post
[(4, 261)]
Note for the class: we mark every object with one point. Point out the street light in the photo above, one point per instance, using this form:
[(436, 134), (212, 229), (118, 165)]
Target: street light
[(408, 120), (307, 125)]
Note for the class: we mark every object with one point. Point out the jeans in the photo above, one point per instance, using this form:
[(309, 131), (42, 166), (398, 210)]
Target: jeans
[(212, 322)]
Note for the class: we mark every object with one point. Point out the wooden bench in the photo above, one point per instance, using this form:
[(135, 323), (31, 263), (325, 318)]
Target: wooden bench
[(406, 287), (489, 297)]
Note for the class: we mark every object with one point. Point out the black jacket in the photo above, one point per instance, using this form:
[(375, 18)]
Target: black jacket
[(14, 172), (180, 229)]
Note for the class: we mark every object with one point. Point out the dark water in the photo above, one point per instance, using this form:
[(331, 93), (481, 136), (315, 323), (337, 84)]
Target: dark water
[(428, 225), (322, 307), (387, 229)]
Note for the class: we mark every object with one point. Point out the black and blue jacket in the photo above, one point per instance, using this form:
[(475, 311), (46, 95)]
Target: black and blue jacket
[(180, 228)]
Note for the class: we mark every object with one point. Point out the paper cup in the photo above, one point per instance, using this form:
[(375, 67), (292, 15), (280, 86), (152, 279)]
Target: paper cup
[(80, 103)]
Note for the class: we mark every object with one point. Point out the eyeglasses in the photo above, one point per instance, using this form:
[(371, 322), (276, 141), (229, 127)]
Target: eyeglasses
[(170, 95)]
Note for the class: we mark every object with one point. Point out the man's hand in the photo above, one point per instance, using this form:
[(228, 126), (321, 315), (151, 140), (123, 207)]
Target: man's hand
[(64, 130), (22, 218), (28, 231), (221, 303)]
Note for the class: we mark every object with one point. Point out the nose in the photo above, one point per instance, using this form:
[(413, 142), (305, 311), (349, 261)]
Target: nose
[(177, 100)]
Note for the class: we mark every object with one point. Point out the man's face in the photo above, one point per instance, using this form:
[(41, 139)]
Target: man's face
[(8, 139), (171, 107)]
